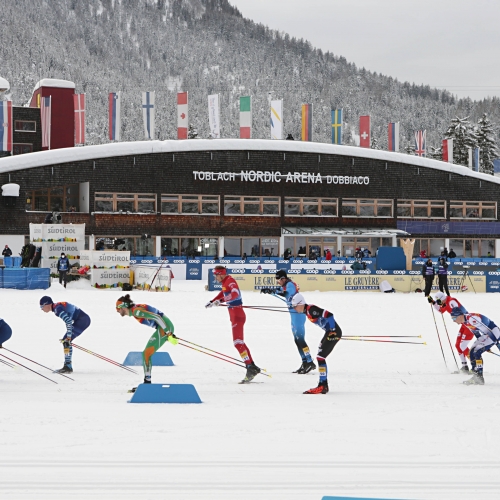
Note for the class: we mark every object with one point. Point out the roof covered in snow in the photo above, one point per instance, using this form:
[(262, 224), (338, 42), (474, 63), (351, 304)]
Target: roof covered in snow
[(53, 82), (66, 155)]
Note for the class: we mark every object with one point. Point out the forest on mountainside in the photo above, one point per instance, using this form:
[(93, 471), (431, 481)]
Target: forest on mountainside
[(207, 47)]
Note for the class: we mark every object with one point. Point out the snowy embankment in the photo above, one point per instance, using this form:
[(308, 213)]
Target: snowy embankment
[(396, 423)]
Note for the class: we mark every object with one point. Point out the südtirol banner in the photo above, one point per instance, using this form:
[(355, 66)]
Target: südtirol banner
[(147, 278), (109, 278), (105, 259)]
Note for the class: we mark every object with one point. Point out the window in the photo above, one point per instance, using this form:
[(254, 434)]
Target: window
[(251, 247), (21, 149), (432, 246), (189, 204), (357, 207), (125, 202), (24, 126), (311, 207), (59, 199), (473, 209), (252, 205), (473, 248), (421, 209)]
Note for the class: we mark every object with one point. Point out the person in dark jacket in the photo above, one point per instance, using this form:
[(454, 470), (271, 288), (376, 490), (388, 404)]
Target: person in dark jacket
[(452, 254), (7, 252), (63, 268), (443, 275), (428, 274)]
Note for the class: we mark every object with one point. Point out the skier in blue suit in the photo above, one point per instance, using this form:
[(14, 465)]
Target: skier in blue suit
[(287, 290), (5, 332)]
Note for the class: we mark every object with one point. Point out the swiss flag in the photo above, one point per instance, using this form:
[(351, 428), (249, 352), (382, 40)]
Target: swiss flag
[(182, 115), (364, 131)]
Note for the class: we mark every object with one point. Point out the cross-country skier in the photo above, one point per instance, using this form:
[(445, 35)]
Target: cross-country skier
[(231, 295), (333, 333), (444, 303), (76, 321), (488, 335), (298, 321), (5, 332), (152, 317)]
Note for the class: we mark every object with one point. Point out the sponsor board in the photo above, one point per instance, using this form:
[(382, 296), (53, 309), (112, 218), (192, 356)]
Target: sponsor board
[(109, 278)]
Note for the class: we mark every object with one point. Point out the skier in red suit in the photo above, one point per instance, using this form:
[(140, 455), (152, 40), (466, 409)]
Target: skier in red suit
[(444, 303), (231, 295)]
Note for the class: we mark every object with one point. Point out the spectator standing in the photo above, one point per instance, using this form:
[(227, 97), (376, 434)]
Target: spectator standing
[(7, 252), (63, 268), (443, 275), (328, 254), (428, 274), (452, 254), (366, 253)]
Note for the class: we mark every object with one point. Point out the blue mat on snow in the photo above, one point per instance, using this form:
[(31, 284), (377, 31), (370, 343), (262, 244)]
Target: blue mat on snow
[(165, 393), (159, 359)]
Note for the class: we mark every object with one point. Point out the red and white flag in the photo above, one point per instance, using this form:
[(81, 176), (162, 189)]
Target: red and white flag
[(182, 115), (79, 105), (364, 131), (6, 126), (420, 143), (448, 150), (46, 119)]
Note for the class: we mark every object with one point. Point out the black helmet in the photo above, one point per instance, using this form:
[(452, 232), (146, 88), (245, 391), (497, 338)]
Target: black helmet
[(280, 273)]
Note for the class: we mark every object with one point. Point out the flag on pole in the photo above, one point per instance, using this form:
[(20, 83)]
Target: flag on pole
[(496, 166), (448, 150), (474, 159), (337, 117), (213, 116), (6, 128), (307, 122), (364, 131), (420, 143), (79, 106), (182, 115), (148, 114), (115, 124), (393, 135), (46, 119), (277, 119), (246, 117)]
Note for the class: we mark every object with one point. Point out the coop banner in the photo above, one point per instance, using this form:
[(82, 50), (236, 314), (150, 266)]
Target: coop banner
[(57, 232), (109, 278), (147, 278)]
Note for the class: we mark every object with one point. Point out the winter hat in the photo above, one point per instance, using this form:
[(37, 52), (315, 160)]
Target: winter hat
[(298, 299), (456, 312), (281, 273), (440, 296), (45, 300)]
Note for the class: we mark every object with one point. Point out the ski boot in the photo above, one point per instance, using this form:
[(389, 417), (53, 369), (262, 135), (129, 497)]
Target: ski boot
[(321, 389), (147, 380), (65, 369), (306, 367), (477, 379), (252, 371), (464, 369)]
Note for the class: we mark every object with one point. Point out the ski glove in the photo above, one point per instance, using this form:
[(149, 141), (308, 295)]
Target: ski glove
[(173, 339), (430, 300), (214, 303), (266, 290)]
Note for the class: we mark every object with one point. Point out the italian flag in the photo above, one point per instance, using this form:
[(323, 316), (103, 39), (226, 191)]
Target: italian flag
[(245, 117)]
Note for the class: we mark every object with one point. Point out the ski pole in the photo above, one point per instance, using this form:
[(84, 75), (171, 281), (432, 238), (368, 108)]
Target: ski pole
[(104, 358), (222, 359), (362, 339), (39, 364), (211, 350), (439, 338), (449, 341), (20, 364), (7, 363), (260, 308), (386, 336)]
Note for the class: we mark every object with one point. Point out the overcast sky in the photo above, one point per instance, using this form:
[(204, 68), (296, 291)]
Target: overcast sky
[(452, 44)]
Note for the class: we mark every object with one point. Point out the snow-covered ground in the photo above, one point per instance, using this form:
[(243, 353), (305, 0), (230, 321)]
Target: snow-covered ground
[(396, 423)]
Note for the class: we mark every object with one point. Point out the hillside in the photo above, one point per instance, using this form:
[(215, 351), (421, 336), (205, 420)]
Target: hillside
[(205, 47)]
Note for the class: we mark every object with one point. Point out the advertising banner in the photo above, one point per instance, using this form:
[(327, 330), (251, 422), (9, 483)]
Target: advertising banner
[(105, 259), (109, 278), (159, 278)]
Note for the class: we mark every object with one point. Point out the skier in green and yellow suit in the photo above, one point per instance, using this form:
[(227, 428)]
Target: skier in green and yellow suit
[(149, 316)]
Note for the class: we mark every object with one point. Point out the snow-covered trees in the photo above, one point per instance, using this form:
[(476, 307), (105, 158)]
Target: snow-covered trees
[(464, 138), (488, 150)]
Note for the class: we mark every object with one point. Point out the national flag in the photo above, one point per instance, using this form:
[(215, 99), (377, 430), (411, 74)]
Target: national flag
[(79, 106), (115, 122), (277, 119), (393, 136), (307, 122), (148, 114), (46, 119), (474, 159), (6, 128), (213, 116), (182, 115), (448, 150), (420, 143), (337, 118), (246, 117), (364, 131)]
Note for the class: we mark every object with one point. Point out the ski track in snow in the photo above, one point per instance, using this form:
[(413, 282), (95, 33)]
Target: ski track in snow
[(396, 423)]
